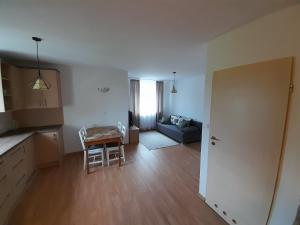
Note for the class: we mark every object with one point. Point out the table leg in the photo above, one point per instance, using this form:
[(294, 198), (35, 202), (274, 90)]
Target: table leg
[(87, 162), (119, 154)]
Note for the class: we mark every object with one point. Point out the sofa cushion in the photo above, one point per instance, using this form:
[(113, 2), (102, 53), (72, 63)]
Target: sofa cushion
[(184, 135), (172, 127), (189, 129)]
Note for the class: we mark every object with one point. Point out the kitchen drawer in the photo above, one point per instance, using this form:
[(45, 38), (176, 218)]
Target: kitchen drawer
[(5, 186), (16, 155), (18, 187), (16, 170), (28, 147), (3, 165), (4, 177), (4, 189), (5, 207)]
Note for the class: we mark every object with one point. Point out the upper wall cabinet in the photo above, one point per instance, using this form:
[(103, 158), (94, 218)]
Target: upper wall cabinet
[(16, 89), (10, 95), (41, 98)]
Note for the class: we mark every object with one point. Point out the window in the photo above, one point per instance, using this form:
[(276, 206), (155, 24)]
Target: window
[(147, 98)]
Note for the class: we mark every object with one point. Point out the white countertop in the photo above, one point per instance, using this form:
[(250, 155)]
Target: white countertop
[(8, 142)]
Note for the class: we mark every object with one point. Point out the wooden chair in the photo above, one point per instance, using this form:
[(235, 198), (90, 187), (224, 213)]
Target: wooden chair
[(119, 126), (113, 150), (93, 156)]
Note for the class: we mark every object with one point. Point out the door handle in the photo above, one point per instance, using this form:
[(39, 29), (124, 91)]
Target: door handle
[(213, 138)]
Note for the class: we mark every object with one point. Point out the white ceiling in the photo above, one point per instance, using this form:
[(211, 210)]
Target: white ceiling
[(147, 38)]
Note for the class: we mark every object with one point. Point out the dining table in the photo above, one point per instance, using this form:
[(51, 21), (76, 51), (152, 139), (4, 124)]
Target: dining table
[(103, 136)]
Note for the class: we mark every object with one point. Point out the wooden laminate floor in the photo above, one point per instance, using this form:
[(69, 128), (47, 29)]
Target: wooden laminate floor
[(153, 188)]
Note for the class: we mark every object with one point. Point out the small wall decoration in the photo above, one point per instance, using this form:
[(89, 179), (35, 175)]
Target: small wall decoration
[(104, 89)]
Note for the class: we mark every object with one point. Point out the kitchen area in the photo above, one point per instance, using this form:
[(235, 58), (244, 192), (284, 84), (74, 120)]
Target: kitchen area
[(32, 99)]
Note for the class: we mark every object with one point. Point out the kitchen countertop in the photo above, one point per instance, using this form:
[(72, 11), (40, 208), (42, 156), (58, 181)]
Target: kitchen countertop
[(8, 142), (12, 138)]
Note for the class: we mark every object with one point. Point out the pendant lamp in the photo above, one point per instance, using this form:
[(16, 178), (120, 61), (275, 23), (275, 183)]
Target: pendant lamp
[(39, 82)]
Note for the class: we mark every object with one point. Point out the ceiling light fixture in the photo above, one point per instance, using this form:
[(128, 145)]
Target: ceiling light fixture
[(39, 83), (174, 91)]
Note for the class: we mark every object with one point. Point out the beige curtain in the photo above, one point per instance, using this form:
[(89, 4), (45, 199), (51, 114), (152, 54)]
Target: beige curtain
[(135, 101), (159, 99), (297, 219)]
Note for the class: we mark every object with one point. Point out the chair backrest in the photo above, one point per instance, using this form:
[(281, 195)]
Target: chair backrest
[(123, 132), (119, 126), (82, 136)]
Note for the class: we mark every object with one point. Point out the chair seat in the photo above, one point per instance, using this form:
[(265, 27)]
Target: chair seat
[(110, 145), (97, 146), (114, 148), (95, 151)]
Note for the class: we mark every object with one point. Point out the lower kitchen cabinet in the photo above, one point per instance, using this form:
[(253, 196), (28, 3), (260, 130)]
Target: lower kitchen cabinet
[(44, 148), (16, 169), (48, 148)]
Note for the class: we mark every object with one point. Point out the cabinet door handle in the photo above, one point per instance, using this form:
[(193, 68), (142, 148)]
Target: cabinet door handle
[(3, 178), (45, 102), (20, 179), (15, 151), (18, 163), (3, 202)]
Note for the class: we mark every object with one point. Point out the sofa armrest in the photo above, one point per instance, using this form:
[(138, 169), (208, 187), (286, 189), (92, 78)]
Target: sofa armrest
[(196, 124)]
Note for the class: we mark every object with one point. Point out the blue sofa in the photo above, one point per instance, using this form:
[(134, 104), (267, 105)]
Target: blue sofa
[(184, 135)]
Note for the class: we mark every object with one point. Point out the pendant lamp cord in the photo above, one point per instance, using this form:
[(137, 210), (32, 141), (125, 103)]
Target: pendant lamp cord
[(174, 77), (38, 59)]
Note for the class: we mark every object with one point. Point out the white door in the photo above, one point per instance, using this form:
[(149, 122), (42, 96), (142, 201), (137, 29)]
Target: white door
[(248, 116)]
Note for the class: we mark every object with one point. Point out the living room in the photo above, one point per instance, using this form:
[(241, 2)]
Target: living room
[(169, 113), (217, 81)]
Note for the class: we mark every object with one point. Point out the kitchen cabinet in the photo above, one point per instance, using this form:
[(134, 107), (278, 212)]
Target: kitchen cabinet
[(16, 87), (12, 88), (41, 98), (28, 147), (16, 91), (51, 97), (16, 169), (5, 86), (32, 98), (48, 148), (5, 190)]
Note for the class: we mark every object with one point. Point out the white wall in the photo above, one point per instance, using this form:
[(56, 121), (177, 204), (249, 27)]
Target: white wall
[(83, 105), (189, 98), (274, 36), (6, 122), (167, 101)]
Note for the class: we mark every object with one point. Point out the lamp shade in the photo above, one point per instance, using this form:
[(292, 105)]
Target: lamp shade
[(173, 91), (40, 84)]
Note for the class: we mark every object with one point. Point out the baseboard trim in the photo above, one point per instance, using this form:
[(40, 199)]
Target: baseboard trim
[(202, 197)]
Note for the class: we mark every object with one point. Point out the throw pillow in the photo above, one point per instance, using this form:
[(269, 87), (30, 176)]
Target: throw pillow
[(174, 119), (162, 120), (167, 121), (183, 123)]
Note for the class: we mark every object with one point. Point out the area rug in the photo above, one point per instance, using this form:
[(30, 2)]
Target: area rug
[(155, 140)]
